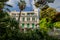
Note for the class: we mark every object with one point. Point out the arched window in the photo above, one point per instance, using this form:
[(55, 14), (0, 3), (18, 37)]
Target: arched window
[(33, 25), (22, 25)]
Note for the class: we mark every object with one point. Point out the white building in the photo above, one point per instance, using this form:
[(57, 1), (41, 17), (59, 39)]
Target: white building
[(28, 19)]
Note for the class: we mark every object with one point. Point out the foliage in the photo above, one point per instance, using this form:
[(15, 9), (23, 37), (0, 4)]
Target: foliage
[(37, 4), (57, 24), (42, 3), (7, 25), (3, 0), (46, 16), (49, 18), (45, 24), (49, 12), (22, 5)]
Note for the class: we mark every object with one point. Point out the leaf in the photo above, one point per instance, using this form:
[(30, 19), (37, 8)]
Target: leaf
[(8, 5)]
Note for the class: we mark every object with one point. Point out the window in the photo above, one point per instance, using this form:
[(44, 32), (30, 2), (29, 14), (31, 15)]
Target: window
[(33, 25), (33, 18), (22, 25), (28, 18), (23, 18), (32, 13), (28, 13), (23, 13), (28, 25)]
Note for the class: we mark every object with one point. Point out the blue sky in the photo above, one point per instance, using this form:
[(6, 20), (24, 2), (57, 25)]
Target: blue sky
[(55, 5)]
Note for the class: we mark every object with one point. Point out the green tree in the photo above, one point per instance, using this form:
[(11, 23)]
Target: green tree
[(48, 13), (8, 25)]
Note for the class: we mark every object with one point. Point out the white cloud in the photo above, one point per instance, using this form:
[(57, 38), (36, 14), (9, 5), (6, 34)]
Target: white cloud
[(58, 9), (27, 3), (11, 2), (55, 5)]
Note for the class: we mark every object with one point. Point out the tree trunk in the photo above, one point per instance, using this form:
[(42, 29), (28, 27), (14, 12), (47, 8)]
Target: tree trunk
[(19, 19)]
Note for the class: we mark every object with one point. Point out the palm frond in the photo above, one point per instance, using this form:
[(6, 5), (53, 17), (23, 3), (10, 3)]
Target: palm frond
[(8, 5)]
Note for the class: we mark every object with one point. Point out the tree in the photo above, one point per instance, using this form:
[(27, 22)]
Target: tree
[(8, 26), (49, 12), (56, 20), (41, 3), (21, 5)]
